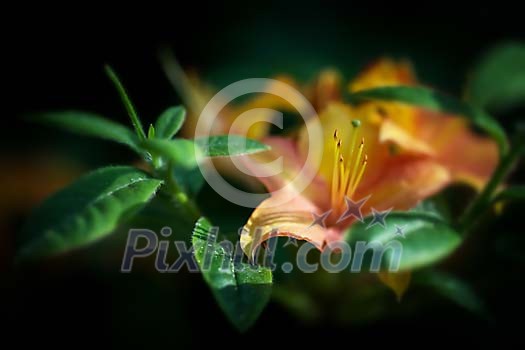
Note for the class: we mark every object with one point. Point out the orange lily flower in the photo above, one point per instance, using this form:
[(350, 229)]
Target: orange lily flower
[(375, 155)]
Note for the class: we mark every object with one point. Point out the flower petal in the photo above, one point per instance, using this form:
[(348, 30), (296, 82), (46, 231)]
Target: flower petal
[(326, 89), (272, 218), (288, 169), (393, 180), (471, 158), (384, 72), (263, 108), (404, 182), (392, 132)]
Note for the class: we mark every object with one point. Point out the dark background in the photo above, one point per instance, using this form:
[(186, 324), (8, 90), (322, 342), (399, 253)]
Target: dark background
[(55, 61)]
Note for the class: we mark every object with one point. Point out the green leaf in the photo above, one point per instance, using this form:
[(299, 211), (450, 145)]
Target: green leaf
[(427, 239), (516, 192), (179, 151), (229, 145), (86, 211), (452, 288), (151, 132), (170, 122), (436, 101), (498, 80), (241, 290), (135, 120), (90, 124)]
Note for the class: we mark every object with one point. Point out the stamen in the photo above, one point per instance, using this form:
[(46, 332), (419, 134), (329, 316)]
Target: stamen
[(356, 163), (356, 123), (354, 138), (335, 185), (347, 172), (341, 172), (360, 176)]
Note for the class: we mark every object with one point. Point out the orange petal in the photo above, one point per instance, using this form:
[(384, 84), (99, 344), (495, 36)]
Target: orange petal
[(471, 158), (384, 72), (273, 96), (264, 105), (404, 182), (196, 94), (326, 89), (272, 218), (288, 169), (281, 148), (392, 132)]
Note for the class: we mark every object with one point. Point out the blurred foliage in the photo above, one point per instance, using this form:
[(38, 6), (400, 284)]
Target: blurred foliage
[(498, 80)]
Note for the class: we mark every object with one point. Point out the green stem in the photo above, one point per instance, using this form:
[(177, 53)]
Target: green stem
[(484, 199), (179, 196), (127, 103)]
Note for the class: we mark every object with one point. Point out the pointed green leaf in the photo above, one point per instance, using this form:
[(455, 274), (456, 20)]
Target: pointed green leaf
[(436, 101), (424, 239), (90, 124), (229, 145), (151, 132), (85, 211), (135, 120), (170, 122), (241, 290), (498, 80)]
